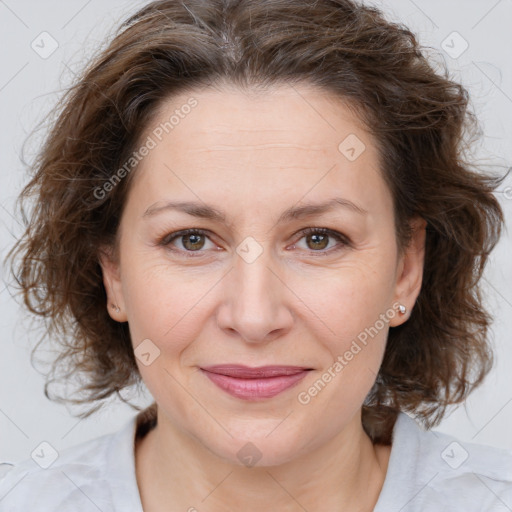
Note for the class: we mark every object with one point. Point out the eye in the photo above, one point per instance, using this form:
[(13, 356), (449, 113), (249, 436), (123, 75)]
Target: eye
[(190, 240), (194, 240), (317, 239)]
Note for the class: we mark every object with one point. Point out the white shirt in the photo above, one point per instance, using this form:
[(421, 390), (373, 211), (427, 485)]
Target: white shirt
[(428, 471)]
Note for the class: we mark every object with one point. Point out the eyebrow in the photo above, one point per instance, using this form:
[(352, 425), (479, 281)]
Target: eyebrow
[(205, 211)]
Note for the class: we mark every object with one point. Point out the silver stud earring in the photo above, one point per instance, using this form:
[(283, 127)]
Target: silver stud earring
[(115, 307), (402, 309)]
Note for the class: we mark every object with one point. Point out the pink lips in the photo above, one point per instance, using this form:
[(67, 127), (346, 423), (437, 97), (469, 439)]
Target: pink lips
[(254, 383)]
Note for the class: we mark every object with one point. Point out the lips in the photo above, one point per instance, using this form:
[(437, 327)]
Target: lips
[(250, 383)]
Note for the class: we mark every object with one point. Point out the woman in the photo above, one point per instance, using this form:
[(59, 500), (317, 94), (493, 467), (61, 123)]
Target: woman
[(261, 210)]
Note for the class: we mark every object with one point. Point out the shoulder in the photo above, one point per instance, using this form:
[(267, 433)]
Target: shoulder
[(81, 478), (437, 472)]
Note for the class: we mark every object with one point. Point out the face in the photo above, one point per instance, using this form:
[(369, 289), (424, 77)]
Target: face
[(289, 262)]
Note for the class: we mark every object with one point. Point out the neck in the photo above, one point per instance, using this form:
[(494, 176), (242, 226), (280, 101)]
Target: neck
[(346, 473)]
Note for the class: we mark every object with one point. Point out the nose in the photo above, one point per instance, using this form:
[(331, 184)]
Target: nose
[(254, 305)]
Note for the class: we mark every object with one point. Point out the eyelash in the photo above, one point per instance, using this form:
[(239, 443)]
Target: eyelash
[(167, 240)]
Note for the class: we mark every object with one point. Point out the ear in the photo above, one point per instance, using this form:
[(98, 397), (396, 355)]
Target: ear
[(112, 282), (410, 271)]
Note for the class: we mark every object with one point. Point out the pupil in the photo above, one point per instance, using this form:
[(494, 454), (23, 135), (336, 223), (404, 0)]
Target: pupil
[(194, 243), (323, 239)]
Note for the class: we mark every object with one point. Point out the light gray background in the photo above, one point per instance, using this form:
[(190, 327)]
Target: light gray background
[(30, 85)]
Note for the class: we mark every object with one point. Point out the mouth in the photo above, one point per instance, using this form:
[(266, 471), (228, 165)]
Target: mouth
[(254, 383)]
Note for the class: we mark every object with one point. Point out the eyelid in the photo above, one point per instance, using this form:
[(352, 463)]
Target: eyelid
[(167, 239), (327, 231)]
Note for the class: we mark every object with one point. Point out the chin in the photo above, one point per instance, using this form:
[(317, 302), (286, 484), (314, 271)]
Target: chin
[(261, 445)]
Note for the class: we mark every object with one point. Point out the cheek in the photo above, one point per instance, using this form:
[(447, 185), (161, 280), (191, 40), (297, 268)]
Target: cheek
[(346, 300), (164, 303), (165, 308), (352, 328), (350, 313)]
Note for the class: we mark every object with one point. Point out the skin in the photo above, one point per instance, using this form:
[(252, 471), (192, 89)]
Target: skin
[(301, 302)]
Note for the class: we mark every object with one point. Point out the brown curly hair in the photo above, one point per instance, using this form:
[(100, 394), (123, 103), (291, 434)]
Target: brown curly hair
[(420, 118)]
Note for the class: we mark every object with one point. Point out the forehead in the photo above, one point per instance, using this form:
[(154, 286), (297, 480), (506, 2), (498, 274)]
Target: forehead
[(288, 141), (282, 114)]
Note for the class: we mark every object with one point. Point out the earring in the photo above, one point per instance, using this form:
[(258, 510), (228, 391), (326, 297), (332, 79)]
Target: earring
[(115, 307), (402, 309)]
